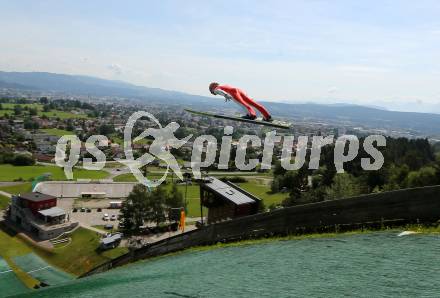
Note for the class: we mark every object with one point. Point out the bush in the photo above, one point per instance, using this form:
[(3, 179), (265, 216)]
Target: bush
[(23, 160), (273, 207), (7, 157), (344, 186), (275, 186), (425, 176), (234, 179)]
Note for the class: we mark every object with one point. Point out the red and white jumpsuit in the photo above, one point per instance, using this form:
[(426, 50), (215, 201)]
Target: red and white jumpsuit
[(244, 101)]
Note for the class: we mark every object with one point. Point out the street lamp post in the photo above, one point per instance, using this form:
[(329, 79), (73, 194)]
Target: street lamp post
[(187, 177)]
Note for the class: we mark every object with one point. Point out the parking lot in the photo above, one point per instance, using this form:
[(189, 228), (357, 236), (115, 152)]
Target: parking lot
[(87, 212), (95, 218)]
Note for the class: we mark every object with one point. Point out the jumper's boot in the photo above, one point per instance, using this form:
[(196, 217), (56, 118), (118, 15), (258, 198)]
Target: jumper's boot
[(250, 117)]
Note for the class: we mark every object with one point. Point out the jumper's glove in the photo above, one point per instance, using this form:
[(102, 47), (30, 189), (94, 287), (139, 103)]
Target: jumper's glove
[(227, 97)]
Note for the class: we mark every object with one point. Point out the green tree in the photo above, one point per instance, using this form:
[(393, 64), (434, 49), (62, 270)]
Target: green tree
[(396, 177), (156, 205), (46, 108), (18, 110), (293, 199), (135, 208), (423, 177), (143, 206), (344, 186), (314, 195), (23, 160), (275, 185), (33, 112), (106, 129), (69, 125), (175, 202), (297, 182), (175, 198), (30, 124)]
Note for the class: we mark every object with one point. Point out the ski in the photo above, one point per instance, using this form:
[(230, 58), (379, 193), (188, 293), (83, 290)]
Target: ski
[(258, 121)]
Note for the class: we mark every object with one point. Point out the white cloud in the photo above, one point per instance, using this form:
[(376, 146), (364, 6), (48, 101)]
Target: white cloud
[(332, 90), (322, 52), (364, 69), (116, 68)]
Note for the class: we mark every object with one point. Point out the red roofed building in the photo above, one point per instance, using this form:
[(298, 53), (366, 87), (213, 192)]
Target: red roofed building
[(38, 214), (36, 201)]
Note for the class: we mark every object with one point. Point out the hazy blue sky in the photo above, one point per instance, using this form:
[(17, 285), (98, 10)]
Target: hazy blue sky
[(374, 52)]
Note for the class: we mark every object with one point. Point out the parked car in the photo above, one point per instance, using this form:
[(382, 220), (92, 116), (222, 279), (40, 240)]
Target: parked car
[(110, 241), (99, 210), (83, 209), (113, 217), (105, 217), (89, 210), (74, 210), (108, 227)]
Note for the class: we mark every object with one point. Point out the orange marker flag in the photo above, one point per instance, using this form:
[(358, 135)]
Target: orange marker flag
[(182, 220)]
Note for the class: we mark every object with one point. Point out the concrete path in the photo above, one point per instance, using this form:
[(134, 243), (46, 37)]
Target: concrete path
[(45, 163), (9, 183), (6, 194), (85, 226)]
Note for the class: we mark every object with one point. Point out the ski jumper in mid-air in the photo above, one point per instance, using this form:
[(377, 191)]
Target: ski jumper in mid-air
[(239, 97)]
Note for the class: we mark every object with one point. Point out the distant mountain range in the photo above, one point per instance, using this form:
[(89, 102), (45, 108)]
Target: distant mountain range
[(85, 85), (341, 113)]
